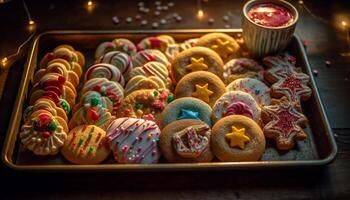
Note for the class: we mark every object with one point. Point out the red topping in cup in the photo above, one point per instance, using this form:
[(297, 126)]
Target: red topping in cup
[(270, 15)]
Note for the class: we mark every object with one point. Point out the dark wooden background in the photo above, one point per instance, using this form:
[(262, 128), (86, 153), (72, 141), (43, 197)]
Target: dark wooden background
[(319, 26)]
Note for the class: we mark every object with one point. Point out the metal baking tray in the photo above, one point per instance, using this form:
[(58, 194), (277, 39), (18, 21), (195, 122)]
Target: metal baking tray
[(319, 149)]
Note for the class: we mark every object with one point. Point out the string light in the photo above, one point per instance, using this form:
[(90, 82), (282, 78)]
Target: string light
[(89, 3), (301, 2), (343, 23), (4, 62), (200, 13), (31, 22)]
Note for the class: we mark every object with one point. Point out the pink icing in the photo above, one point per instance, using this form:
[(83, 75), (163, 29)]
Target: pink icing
[(239, 108)]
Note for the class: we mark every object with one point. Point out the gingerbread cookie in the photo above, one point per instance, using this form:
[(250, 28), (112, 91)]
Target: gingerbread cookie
[(85, 145), (237, 138), (196, 59), (205, 86), (283, 122), (223, 44), (134, 140), (259, 91), (242, 68), (236, 103), (149, 55), (279, 61), (139, 82), (43, 133), (103, 70), (186, 108), (186, 141), (120, 60), (146, 104)]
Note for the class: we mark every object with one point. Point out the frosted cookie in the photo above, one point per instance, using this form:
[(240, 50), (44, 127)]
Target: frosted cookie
[(259, 91), (156, 42), (236, 103), (94, 98), (283, 123), (196, 59), (186, 108), (146, 104), (173, 49), (223, 44), (279, 61), (60, 49), (120, 60), (242, 68), (237, 138), (53, 97), (104, 48), (140, 82), (125, 45), (205, 86), (45, 104), (153, 69), (103, 70), (113, 90), (149, 55), (85, 145), (134, 141), (43, 134), (186, 141)]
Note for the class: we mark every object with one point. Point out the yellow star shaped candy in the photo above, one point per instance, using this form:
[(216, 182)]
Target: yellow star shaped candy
[(197, 65), (223, 48), (237, 137), (202, 92)]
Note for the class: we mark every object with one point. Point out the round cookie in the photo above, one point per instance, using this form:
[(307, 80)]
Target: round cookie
[(104, 70), (80, 57), (146, 104), (43, 134), (125, 45), (149, 55), (236, 103), (186, 141), (104, 48), (223, 44), (120, 60), (155, 42), (142, 82), (242, 68), (173, 49), (45, 104), (202, 85), (196, 59), (134, 141), (237, 138), (186, 108), (85, 145), (259, 91), (93, 97)]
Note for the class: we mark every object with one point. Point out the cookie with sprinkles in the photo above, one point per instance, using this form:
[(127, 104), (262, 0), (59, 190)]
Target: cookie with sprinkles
[(85, 145), (134, 140)]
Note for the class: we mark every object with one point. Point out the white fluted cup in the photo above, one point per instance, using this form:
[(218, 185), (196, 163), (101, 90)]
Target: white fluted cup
[(264, 40)]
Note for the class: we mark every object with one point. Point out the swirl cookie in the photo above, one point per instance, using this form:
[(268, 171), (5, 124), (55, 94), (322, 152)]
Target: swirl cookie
[(104, 48), (103, 70), (43, 134), (85, 145), (94, 98), (134, 140), (146, 104), (259, 91), (205, 86), (173, 49), (140, 82), (120, 60), (186, 141), (283, 122), (196, 59), (153, 69), (242, 68), (185, 108), (236, 103), (237, 138), (149, 55), (113, 90), (160, 42), (223, 44), (125, 45)]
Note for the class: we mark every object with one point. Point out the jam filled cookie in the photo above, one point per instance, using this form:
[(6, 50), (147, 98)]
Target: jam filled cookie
[(236, 103), (237, 138), (242, 68), (85, 145), (160, 42), (259, 91), (103, 70), (223, 44), (134, 141), (43, 133), (186, 141), (146, 104), (149, 55), (140, 82), (120, 60), (283, 122), (186, 108), (196, 59), (205, 86)]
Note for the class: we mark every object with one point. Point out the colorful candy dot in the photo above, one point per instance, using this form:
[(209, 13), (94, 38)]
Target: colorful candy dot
[(81, 141), (52, 125), (170, 98)]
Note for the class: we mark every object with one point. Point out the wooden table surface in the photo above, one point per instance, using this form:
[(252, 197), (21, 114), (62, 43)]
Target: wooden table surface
[(319, 26)]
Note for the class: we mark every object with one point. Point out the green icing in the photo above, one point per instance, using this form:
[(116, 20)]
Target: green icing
[(94, 102), (52, 125), (170, 98), (64, 104)]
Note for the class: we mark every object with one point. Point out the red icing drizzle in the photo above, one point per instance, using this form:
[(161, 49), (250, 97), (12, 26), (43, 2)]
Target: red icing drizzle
[(270, 15)]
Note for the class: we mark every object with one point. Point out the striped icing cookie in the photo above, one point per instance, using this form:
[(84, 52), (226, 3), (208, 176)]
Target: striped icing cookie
[(119, 59), (104, 70)]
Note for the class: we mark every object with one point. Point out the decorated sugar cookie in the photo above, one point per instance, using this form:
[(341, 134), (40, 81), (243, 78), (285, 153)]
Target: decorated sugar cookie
[(173, 49), (104, 48), (125, 45), (118, 59), (134, 140), (149, 55), (283, 122), (156, 42), (259, 91), (103, 70), (85, 145), (45, 104), (140, 82), (242, 68)]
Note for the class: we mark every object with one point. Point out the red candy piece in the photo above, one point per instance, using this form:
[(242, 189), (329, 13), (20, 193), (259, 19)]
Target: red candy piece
[(46, 134), (155, 42), (44, 119), (93, 114)]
